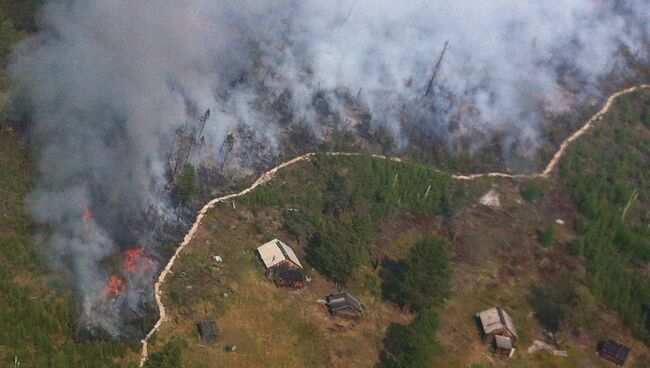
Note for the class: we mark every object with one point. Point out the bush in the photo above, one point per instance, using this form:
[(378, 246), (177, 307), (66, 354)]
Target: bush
[(532, 191), (298, 224), (547, 237), (422, 279), (334, 251), (551, 304), (412, 346), (169, 357)]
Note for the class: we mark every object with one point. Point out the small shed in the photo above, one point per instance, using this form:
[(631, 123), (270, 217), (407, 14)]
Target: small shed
[(285, 276), (613, 351), (344, 305), (208, 331), (504, 345)]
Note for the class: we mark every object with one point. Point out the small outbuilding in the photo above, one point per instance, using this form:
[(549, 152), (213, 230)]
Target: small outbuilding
[(282, 264), (498, 330), (285, 276), (613, 351), (344, 305), (504, 345), (208, 331)]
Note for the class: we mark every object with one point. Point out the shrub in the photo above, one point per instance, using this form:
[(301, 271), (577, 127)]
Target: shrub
[(532, 191), (412, 346), (422, 279), (547, 237), (334, 252), (646, 117), (169, 357), (551, 304)]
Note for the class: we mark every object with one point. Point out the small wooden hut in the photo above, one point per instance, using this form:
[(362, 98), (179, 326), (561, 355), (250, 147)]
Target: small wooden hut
[(208, 331), (613, 351), (344, 305)]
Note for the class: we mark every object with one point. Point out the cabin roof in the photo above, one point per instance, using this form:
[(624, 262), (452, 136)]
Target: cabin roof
[(343, 300), (275, 252), (208, 329), (495, 319)]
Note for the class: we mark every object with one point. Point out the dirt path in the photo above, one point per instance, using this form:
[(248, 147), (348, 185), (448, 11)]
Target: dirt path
[(264, 178)]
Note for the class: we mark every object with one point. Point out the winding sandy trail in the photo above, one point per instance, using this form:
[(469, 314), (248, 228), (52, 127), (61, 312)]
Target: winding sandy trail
[(267, 176)]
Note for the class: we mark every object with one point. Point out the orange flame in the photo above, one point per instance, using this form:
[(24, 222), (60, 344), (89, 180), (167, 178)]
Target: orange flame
[(88, 215), (131, 258), (115, 286), (134, 257)]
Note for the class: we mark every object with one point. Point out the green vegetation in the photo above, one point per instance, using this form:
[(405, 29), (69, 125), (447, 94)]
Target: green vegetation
[(335, 252), (552, 303), (170, 355), (646, 117), (414, 345), (614, 236), (339, 215), (532, 191), (422, 279), (297, 224), (187, 183), (547, 236)]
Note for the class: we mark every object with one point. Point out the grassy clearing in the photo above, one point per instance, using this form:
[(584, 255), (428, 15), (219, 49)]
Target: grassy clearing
[(277, 327), (497, 258)]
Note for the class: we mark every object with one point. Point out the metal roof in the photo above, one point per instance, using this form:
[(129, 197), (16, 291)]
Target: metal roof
[(275, 252)]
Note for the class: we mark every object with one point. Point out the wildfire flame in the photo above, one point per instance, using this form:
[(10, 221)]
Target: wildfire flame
[(116, 286), (88, 215), (135, 257)]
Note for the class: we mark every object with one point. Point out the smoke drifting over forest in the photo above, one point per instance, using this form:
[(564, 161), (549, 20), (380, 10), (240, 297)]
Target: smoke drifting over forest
[(108, 84)]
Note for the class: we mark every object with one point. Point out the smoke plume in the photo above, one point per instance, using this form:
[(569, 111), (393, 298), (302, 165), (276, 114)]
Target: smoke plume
[(110, 84)]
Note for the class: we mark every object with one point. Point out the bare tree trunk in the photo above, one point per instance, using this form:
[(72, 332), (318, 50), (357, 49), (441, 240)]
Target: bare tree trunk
[(435, 69)]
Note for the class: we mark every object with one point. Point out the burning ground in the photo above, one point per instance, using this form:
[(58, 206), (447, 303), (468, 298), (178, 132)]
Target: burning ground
[(112, 94)]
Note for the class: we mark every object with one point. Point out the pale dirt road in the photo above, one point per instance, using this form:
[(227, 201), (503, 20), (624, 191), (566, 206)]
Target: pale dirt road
[(264, 178)]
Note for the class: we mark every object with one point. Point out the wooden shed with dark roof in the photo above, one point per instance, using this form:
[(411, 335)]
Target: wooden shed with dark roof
[(613, 351), (344, 305), (208, 331)]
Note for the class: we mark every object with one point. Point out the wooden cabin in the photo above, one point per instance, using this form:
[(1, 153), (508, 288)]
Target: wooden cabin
[(282, 264), (208, 331), (498, 330), (613, 351), (344, 305)]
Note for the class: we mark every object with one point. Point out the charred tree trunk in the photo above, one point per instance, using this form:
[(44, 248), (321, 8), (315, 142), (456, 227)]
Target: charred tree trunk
[(436, 68)]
